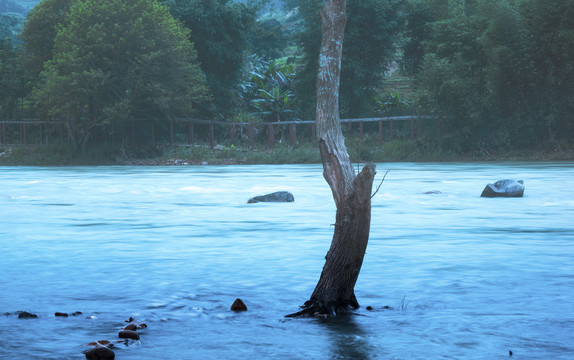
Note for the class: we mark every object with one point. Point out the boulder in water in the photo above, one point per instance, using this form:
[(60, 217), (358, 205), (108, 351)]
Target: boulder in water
[(100, 353), (26, 315), (504, 188), (129, 334), (279, 196)]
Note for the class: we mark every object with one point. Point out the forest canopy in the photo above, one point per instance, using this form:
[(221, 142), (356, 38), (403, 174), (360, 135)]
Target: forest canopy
[(495, 74)]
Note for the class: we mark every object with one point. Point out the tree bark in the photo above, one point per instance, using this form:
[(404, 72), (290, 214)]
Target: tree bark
[(334, 292)]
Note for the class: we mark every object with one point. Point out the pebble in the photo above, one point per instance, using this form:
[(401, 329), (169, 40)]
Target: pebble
[(137, 323), (132, 327)]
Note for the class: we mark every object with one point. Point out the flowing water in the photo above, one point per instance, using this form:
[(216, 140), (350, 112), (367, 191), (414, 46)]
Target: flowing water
[(449, 275)]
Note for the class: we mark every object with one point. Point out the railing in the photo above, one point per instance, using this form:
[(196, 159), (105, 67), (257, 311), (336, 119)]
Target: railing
[(47, 130)]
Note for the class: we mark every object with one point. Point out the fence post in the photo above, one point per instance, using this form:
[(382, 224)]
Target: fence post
[(412, 129), (2, 130), (211, 140), (293, 134), (171, 133), (361, 130), (391, 130), (133, 132), (418, 128), (270, 136), (440, 128), (380, 132), (23, 134), (232, 134), (314, 132), (190, 133), (250, 135)]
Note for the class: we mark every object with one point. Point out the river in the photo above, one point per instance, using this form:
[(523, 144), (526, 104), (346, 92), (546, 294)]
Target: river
[(449, 275)]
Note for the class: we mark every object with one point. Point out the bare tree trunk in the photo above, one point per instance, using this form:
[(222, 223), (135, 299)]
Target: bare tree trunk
[(334, 292)]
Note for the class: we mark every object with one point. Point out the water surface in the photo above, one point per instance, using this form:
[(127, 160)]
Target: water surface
[(464, 276)]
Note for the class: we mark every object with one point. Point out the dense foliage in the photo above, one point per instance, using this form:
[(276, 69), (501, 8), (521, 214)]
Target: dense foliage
[(219, 31), (12, 83), (42, 25), (496, 74), (115, 61), (370, 36)]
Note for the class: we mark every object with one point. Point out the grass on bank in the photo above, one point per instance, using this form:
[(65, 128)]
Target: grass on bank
[(304, 153)]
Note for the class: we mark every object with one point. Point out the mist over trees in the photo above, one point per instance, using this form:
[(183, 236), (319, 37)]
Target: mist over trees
[(496, 74)]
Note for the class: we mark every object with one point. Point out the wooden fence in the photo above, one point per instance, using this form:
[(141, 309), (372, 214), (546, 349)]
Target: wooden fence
[(14, 132)]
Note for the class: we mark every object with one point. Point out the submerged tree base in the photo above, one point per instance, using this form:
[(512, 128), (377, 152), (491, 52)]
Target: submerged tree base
[(316, 308)]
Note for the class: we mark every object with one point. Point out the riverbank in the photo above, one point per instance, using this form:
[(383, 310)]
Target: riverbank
[(396, 151)]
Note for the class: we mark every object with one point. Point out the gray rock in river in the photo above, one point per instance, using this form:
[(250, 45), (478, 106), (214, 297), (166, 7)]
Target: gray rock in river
[(504, 188), (26, 315), (279, 196)]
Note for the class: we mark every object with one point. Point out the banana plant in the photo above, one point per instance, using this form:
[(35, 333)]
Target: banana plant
[(274, 103), (268, 90)]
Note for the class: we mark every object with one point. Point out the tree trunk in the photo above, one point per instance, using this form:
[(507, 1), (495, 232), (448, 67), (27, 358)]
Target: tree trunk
[(334, 292)]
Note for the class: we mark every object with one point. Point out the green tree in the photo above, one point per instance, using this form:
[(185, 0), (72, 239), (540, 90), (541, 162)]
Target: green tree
[(267, 39), (12, 81), (309, 42), (509, 76), (40, 31), (499, 73), (370, 38), (116, 60), (418, 17), (220, 32), (551, 28), (451, 82)]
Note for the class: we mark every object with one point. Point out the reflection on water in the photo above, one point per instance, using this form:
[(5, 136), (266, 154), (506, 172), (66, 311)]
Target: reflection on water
[(348, 340), (449, 274)]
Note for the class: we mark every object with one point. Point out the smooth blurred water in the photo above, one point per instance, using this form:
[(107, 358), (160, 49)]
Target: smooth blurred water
[(466, 277)]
